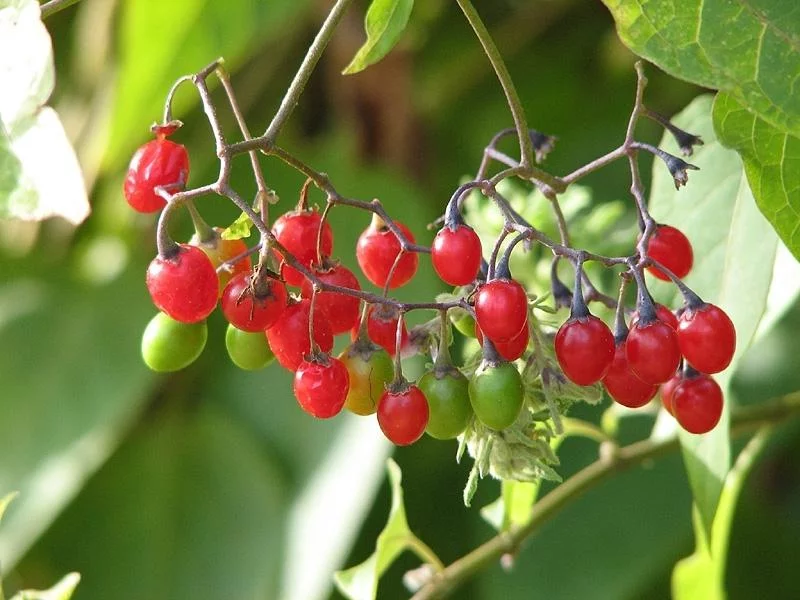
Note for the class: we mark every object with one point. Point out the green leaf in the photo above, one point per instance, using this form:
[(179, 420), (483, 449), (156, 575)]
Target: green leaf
[(239, 229), (701, 576), (514, 506), (5, 501), (39, 173), (361, 582), (63, 590), (771, 162), (384, 23), (749, 49), (191, 500), (732, 243)]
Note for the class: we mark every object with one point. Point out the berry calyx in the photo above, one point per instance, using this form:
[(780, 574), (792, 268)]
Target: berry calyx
[(623, 385), (585, 349), (158, 163), (652, 351), (447, 392), (662, 314), (697, 403), (183, 284), (496, 394), (289, 339), (321, 385), (297, 232), (501, 309), (343, 310), (707, 338), (248, 351), (370, 368), (456, 254), (513, 348), (170, 345), (670, 247), (377, 250), (403, 414), (251, 304)]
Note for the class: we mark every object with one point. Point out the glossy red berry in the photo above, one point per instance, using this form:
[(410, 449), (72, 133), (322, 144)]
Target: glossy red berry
[(513, 348), (662, 313), (253, 308), (184, 285), (297, 232), (456, 254), (584, 349), (697, 404), (321, 386), (159, 162), (707, 338), (288, 337), (672, 249), (623, 385), (343, 310), (377, 251), (652, 351), (668, 389), (501, 309), (403, 415), (382, 328)]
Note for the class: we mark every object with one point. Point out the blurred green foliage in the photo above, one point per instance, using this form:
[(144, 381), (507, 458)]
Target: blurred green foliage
[(210, 483)]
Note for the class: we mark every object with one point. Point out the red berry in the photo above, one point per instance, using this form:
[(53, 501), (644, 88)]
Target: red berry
[(707, 338), (501, 309), (377, 250), (288, 337), (403, 415), (585, 349), (251, 309), (697, 404), (184, 285), (297, 232), (672, 249), (668, 390), (456, 254), (159, 162), (663, 314), (382, 328), (321, 387), (652, 351), (220, 251), (623, 385), (513, 348), (343, 310)]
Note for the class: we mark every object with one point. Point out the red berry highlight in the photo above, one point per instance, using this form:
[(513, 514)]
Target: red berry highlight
[(672, 249), (707, 338), (584, 349), (697, 404), (321, 387), (342, 310), (252, 309), (403, 415), (183, 285), (378, 249), (297, 232), (501, 309), (158, 163), (288, 337), (652, 351), (456, 255)]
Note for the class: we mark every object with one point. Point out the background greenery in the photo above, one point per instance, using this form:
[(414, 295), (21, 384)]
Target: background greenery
[(211, 483)]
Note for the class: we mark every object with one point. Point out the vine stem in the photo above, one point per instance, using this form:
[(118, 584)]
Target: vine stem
[(743, 420), (303, 74), (54, 6)]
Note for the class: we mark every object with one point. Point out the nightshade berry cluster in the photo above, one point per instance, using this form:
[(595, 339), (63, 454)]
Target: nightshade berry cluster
[(288, 297)]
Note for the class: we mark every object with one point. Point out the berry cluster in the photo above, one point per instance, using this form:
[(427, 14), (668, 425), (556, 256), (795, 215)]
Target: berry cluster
[(293, 301)]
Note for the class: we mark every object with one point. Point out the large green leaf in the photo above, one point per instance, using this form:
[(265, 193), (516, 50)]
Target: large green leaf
[(750, 49), (69, 389), (190, 507), (39, 173), (384, 23), (701, 576), (735, 250), (771, 161)]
